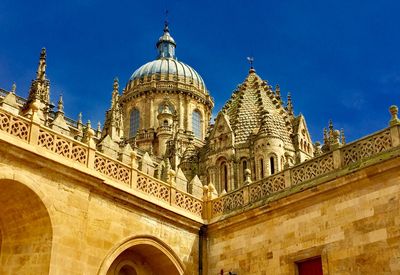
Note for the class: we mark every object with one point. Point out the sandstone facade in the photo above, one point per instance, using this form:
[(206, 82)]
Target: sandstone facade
[(159, 191)]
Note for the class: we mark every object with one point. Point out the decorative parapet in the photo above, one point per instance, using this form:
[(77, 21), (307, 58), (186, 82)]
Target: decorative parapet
[(366, 147), (18, 127), (312, 169), (112, 168), (129, 176), (72, 150), (35, 134)]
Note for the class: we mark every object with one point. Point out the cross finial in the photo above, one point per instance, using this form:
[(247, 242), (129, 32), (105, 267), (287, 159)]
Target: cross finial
[(251, 61), (166, 21)]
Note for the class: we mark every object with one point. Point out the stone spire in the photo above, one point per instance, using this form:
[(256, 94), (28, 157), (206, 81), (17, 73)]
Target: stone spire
[(332, 138), (40, 92), (115, 94), (113, 124), (59, 124), (278, 92), (289, 105), (14, 88), (40, 87), (60, 105)]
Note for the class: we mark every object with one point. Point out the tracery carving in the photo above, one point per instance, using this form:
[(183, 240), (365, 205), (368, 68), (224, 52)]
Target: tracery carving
[(112, 169), (312, 168), (364, 148), (267, 186), (189, 203), (153, 188), (14, 126), (62, 146)]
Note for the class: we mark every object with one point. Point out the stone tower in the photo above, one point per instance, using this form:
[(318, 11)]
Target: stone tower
[(166, 105), (254, 131)]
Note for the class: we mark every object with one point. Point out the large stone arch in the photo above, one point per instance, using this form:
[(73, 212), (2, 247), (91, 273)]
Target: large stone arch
[(25, 226), (141, 255)]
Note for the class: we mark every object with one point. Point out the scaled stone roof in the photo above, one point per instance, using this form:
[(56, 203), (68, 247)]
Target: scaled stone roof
[(254, 109)]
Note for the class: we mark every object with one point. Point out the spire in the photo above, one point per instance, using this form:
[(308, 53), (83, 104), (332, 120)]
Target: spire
[(342, 137), (41, 71), (13, 88), (80, 118), (278, 92), (40, 90), (115, 93), (166, 44), (40, 87), (289, 105), (60, 105), (113, 123)]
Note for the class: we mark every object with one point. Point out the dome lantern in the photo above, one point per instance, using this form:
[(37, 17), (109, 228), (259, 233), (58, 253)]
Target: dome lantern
[(166, 44)]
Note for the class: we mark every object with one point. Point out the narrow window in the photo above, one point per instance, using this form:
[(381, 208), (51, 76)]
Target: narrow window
[(261, 168), (272, 165), (226, 177), (134, 122), (244, 167), (196, 124), (310, 267)]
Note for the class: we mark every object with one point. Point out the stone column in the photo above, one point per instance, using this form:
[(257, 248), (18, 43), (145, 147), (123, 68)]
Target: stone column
[(186, 117), (181, 114), (151, 112)]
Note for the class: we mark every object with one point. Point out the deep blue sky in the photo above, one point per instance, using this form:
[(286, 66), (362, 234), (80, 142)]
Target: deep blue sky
[(339, 59)]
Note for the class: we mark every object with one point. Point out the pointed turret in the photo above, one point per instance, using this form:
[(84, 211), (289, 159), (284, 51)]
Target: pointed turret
[(40, 89), (332, 138), (59, 124), (41, 71), (113, 122), (13, 88), (289, 105), (60, 105)]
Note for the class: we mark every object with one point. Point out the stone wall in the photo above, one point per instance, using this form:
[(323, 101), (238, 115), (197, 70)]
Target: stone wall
[(89, 219), (352, 222)]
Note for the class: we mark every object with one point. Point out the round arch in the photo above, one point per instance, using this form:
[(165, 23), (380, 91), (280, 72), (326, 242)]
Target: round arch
[(25, 225), (144, 248)]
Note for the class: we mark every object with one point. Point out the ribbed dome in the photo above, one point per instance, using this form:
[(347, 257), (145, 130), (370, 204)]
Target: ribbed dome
[(172, 67), (167, 67)]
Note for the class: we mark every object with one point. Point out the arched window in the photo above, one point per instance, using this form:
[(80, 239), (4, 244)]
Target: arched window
[(272, 165), (196, 124), (134, 122), (224, 176), (261, 168), (244, 167)]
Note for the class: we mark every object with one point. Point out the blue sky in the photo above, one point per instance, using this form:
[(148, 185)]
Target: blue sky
[(339, 59)]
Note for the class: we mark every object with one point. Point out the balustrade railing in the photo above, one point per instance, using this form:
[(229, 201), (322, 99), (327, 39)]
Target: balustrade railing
[(314, 168), (32, 132), (86, 155)]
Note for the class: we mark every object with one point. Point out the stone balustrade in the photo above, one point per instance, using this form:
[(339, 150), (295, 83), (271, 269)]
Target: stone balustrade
[(321, 166), (33, 133)]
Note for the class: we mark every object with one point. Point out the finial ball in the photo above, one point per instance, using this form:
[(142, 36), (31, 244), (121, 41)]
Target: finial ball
[(394, 110)]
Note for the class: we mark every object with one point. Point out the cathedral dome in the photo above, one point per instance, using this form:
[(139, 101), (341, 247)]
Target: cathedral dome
[(167, 68)]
